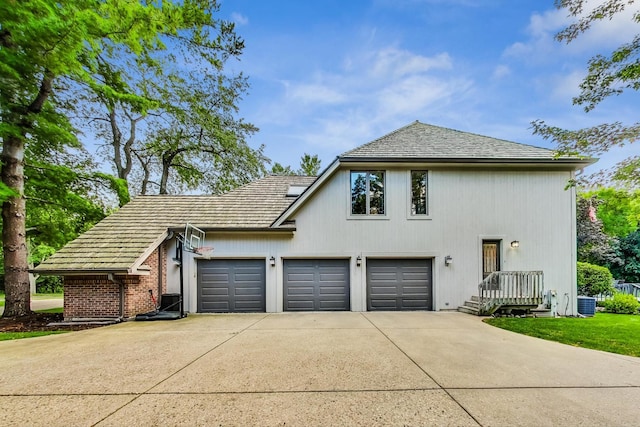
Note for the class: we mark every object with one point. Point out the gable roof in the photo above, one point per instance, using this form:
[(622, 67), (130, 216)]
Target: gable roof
[(122, 241), (422, 142)]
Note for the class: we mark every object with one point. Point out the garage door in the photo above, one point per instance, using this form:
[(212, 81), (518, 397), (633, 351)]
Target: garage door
[(231, 285), (399, 284), (314, 285)]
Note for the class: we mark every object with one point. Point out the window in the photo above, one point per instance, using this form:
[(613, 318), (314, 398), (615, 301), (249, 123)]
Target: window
[(367, 192), (419, 193)]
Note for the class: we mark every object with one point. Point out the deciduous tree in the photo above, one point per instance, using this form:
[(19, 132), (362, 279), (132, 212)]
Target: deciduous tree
[(182, 125), (48, 46), (608, 75)]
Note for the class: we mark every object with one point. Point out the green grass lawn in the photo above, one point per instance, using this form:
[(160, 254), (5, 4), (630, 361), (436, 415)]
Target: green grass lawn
[(615, 333), (51, 310), (46, 296), (5, 336)]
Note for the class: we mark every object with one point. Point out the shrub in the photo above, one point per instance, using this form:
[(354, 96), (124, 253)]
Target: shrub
[(622, 304), (594, 280), (49, 285)]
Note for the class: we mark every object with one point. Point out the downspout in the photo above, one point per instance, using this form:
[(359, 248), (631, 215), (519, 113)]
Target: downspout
[(181, 279), (160, 251), (112, 278)]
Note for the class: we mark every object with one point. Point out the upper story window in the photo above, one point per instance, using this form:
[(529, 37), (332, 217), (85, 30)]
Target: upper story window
[(419, 188), (367, 193)]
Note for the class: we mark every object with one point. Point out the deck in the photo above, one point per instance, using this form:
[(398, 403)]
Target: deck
[(505, 291)]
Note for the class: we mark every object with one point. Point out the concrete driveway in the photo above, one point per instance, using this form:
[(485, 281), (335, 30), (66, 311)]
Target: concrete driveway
[(413, 368)]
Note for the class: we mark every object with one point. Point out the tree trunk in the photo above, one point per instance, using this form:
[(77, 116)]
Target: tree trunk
[(14, 235), (146, 172), (167, 159), (14, 248)]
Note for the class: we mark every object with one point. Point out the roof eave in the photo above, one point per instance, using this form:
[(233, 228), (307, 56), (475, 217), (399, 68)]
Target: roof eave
[(270, 230), (89, 272), (576, 162)]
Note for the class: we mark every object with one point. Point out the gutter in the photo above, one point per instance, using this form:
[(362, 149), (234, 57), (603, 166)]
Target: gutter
[(253, 230), (78, 272), (467, 160)]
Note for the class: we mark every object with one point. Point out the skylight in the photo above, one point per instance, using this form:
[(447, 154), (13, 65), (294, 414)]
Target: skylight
[(295, 190)]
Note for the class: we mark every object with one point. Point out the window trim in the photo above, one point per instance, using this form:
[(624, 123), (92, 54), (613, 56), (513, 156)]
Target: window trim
[(409, 195), (352, 215)]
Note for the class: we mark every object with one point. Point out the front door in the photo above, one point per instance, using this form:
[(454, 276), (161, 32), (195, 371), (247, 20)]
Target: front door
[(490, 257)]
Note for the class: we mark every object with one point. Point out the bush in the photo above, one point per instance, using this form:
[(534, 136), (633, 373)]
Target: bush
[(49, 285), (622, 304), (594, 280)]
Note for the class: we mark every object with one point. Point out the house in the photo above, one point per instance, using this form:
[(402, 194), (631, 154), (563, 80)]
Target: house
[(423, 218)]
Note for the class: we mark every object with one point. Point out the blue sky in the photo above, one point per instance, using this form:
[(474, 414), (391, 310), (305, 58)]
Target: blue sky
[(329, 75)]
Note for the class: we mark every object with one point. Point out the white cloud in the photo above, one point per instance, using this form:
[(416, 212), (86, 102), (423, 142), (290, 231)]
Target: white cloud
[(567, 86), (313, 93), (416, 93), (603, 34), (239, 19), (500, 72), (372, 91), (396, 63), (608, 33)]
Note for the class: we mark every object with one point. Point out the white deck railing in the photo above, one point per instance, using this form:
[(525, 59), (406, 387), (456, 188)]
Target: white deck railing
[(511, 288)]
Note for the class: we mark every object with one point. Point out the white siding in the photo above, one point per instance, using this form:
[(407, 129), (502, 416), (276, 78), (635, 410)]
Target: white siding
[(466, 206)]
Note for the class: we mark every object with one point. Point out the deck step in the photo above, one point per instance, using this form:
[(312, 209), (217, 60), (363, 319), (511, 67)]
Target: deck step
[(471, 303), (469, 310)]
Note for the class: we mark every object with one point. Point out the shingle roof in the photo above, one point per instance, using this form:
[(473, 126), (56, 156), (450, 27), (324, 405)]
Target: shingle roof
[(122, 241), (422, 141)]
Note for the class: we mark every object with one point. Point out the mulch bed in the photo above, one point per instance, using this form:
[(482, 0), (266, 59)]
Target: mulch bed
[(38, 322)]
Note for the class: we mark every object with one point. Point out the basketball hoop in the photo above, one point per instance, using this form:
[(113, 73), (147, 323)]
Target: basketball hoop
[(192, 238), (203, 250)]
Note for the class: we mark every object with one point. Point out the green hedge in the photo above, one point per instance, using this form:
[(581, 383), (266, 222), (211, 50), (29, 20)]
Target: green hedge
[(594, 280), (622, 304)]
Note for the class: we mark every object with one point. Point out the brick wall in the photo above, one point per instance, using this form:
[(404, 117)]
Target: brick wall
[(96, 296)]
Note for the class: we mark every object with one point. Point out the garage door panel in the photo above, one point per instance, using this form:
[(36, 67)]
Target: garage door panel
[(331, 306), (417, 276), (215, 277), (332, 290), (251, 305), (214, 307), (383, 276), (248, 292), (305, 305), (247, 277), (215, 292), (384, 290), (332, 277), (300, 291), (399, 284), (231, 286), (414, 290), (384, 304), (300, 277), (311, 285)]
